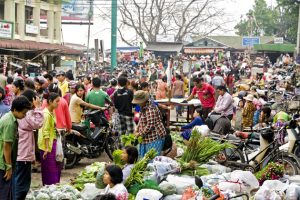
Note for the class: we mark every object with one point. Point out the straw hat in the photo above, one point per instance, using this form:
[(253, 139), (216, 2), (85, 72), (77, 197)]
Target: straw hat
[(249, 97), (140, 96)]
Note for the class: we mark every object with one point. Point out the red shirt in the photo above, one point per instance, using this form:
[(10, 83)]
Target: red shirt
[(62, 114), (208, 90)]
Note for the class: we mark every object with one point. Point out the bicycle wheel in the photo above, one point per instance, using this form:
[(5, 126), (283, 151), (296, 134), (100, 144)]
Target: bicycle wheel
[(289, 166)]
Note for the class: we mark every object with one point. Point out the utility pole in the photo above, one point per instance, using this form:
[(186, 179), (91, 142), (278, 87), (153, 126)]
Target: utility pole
[(298, 34), (90, 14), (114, 10)]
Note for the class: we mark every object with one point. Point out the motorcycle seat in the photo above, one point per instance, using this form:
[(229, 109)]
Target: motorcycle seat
[(79, 127)]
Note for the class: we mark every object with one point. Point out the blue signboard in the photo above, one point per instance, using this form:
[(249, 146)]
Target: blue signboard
[(250, 41)]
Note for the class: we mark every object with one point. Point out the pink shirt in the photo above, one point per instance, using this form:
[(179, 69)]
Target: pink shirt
[(26, 145), (62, 114)]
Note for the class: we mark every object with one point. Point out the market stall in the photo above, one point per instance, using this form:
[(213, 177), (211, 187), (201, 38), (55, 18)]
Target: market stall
[(191, 105)]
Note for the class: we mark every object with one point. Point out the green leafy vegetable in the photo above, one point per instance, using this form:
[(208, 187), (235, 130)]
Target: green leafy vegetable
[(138, 170), (130, 139), (201, 149), (88, 175), (117, 157)]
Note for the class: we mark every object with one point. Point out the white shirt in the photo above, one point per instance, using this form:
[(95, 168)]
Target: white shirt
[(224, 104), (119, 190), (126, 171)]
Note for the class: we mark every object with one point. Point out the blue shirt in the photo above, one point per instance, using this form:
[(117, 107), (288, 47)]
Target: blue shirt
[(196, 122), (3, 109)]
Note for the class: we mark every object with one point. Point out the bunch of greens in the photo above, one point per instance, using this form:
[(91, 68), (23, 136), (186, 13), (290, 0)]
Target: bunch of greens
[(88, 175), (117, 157), (177, 139), (130, 140), (192, 168), (272, 171), (201, 149), (138, 171)]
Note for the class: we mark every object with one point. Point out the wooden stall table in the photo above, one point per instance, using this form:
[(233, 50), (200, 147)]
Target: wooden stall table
[(177, 102)]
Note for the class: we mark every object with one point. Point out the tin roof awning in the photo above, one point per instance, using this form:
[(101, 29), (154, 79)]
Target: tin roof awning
[(17, 45)]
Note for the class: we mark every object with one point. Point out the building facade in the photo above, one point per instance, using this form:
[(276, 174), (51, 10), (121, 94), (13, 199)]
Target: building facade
[(33, 20)]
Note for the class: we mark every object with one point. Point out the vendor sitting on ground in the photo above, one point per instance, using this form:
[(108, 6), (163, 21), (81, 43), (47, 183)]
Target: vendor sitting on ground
[(187, 129), (113, 177), (129, 157)]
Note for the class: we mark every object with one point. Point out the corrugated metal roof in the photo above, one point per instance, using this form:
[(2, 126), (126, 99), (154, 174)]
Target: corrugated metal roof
[(164, 46), (288, 48), (235, 42), (38, 46)]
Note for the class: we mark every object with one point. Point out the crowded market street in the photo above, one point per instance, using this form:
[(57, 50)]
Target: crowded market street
[(149, 100)]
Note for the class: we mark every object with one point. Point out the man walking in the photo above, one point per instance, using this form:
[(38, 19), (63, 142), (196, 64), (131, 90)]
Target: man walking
[(123, 102)]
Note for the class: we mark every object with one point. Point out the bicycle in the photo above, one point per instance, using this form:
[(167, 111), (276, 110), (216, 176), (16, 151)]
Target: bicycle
[(273, 153)]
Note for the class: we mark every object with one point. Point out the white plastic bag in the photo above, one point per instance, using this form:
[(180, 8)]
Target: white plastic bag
[(271, 189), (182, 182), (203, 129), (167, 188), (90, 191), (292, 193), (248, 180), (148, 194), (59, 155)]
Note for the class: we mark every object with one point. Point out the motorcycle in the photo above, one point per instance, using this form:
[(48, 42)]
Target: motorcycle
[(90, 140)]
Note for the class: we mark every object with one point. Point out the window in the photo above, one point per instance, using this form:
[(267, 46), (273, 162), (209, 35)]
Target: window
[(1, 10), (28, 15), (43, 23), (16, 19)]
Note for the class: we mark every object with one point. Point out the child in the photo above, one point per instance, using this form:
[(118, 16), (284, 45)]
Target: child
[(187, 129), (239, 116), (248, 111), (113, 177), (8, 144), (129, 156)]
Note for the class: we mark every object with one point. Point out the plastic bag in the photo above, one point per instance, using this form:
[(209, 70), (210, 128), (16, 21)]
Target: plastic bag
[(248, 180), (173, 197), (99, 178), (148, 194), (292, 193), (90, 191), (203, 129), (271, 189), (167, 188), (59, 154), (216, 168), (182, 182), (164, 165)]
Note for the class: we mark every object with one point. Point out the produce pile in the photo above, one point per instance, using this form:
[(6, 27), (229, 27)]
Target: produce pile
[(54, 192), (88, 175)]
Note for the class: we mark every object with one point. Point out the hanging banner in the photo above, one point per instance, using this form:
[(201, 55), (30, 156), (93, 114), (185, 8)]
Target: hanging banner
[(6, 30), (77, 11)]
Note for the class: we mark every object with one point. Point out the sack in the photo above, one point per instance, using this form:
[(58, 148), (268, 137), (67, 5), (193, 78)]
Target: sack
[(59, 155), (168, 140)]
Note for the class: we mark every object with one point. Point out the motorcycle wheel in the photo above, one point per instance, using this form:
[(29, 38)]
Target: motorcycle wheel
[(71, 158), (111, 145)]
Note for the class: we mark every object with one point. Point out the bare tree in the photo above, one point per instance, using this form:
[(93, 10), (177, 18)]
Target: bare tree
[(148, 18)]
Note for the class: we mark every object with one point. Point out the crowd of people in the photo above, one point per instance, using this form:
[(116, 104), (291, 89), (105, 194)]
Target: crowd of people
[(34, 110)]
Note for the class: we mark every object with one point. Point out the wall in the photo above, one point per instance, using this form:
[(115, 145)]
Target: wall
[(14, 11)]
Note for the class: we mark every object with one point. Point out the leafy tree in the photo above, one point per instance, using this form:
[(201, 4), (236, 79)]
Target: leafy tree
[(280, 21), (261, 20)]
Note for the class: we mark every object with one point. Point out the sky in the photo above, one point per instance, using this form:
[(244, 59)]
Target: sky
[(101, 29)]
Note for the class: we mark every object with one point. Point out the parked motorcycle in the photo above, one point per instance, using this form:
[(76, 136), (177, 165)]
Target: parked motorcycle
[(90, 140)]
